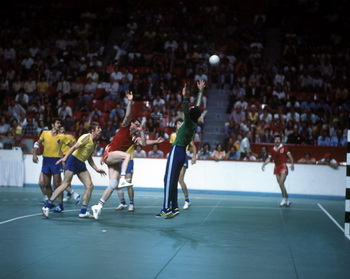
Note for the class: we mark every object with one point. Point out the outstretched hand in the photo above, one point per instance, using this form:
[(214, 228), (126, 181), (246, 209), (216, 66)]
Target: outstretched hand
[(200, 84), (128, 95)]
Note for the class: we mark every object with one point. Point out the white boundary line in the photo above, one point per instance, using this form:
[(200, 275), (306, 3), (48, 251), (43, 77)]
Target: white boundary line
[(334, 221)]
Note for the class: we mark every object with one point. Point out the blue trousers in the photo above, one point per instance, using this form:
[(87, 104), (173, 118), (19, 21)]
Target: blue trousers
[(175, 162)]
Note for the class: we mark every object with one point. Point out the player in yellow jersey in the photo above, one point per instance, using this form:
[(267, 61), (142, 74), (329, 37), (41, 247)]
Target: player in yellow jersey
[(74, 163), (178, 124), (65, 148), (53, 142)]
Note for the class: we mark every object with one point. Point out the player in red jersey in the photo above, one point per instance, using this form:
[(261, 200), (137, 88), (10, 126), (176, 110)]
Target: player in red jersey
[(279, 154), (115, 153)]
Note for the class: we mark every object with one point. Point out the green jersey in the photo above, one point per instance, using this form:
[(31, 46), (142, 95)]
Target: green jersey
[(185, 133)]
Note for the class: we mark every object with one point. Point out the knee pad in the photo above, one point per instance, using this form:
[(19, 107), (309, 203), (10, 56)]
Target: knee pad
[(113, 184)]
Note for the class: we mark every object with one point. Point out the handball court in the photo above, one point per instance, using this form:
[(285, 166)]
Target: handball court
[(222, 235)]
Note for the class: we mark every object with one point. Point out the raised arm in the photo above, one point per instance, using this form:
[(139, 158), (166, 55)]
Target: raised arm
[(127, 119), (201, 86)]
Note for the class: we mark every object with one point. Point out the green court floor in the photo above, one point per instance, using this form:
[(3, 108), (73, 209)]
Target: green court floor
[(220, 236)]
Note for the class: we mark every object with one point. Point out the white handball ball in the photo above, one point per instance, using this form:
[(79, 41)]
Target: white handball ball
[(214, 60)]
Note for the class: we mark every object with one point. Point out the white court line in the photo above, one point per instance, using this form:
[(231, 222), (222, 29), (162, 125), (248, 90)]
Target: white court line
[(334, 221), (18, 218)]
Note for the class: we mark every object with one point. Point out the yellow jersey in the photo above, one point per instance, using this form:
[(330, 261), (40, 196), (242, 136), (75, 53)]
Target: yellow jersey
[(86, 149), (52, 144), (130, 151), (66, 147)]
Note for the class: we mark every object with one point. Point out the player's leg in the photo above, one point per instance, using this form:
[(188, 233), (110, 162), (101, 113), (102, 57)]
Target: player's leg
[(113, 173), (46, 190), (184, 187), (57, 181), (131, 192), (85, 178), (281, 178), (66, 181), (115, 157)]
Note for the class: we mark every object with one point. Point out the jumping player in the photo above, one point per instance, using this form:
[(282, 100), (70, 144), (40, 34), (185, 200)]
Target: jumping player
[(178, 124), (115, 153), (177, 155), (279, 154)]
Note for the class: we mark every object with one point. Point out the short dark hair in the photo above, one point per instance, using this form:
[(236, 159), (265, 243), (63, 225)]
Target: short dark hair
[(195, 113), (93, 126), (277, 136), (178, 120)]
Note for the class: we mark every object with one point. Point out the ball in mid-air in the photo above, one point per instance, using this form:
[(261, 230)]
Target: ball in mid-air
[(214, 60)]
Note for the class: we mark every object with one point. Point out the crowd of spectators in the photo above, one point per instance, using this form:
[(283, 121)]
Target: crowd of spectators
[(56, 60)]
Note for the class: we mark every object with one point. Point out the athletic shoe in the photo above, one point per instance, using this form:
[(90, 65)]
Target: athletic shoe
[(163, 213), (173, 214), (96, 210), (187, 205), (121, 206), (123, 183), (131, 208), (46, 211), (68, 197), (288, 202), (59, 208), (77, 199), (283, 202), (86, 215)]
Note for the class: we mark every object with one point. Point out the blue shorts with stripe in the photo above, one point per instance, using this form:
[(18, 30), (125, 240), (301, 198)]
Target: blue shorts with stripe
[(130, 167), (74, 165), (175, 162), (50, 167), (186, 162)]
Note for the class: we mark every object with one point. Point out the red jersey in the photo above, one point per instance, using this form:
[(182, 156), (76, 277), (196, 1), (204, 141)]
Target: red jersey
[(279, 155), (122, 140)]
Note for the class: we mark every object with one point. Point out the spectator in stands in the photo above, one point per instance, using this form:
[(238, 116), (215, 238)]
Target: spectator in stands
[(245, 144), (263, 154), (219, 153), (157, 117), (155, 152), (328, 160), (93, 75), (80, 103), (4, 126), (232, 154), (30, 129), (64, 110), (139, 152), (15, 128), (42, 86), (295, 137), (250, 156), (89, 89), (18, 142), (267, 137), (265, 117), (112, 90), (341, 93), (307, 159), (64, 85), (237, 115), (159, 102), (205, 152), (68, 123), (22, 98), (339, 139), (108, 132), (77, 87), (323, 138), (117, 111)]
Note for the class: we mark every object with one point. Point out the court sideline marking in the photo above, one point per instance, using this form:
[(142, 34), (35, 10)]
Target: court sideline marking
[(334, 221)]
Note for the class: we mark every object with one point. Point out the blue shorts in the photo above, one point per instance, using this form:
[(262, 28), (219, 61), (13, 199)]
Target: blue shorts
[(130, 167), (74, 165), (50, 167), (186, 162)]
